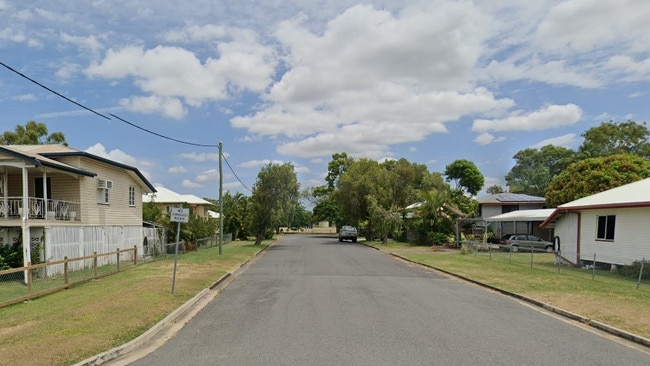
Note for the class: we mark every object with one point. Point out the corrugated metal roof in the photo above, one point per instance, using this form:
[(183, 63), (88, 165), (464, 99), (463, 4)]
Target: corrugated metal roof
[(510, 198), (628, 194), (164, 195), (523, 215), (636, 194)]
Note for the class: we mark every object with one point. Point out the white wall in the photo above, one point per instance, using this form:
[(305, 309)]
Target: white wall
[(566, 228), (631, 236)]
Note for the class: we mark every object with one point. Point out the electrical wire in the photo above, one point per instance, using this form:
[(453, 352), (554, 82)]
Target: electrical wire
[(52, 91), (121, 119), (235, 174), (159, 135)]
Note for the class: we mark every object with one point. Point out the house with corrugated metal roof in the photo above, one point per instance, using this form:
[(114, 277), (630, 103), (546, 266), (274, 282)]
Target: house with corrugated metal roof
[(503, 203), (610, 226), (166, 199), (68, 203)]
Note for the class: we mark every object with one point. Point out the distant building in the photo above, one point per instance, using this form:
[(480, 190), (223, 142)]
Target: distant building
[(503, 203)]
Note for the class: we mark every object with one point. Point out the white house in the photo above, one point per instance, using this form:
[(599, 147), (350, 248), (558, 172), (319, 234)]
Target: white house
[(166, 198), (502, 203), (612, 225)]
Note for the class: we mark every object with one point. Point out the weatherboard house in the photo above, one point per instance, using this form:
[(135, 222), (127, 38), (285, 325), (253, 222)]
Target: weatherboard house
[(68, 203), (502, 203), (165, 198), (610, 227)]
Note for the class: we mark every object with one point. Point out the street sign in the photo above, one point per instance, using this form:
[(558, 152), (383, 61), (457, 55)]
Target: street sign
[(177, 214)]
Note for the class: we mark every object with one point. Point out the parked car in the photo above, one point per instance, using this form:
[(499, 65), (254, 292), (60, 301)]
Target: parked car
[(514, 242), (348, 233)]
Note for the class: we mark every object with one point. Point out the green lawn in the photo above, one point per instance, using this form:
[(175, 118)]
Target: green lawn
[(608, 297), (71, 325)]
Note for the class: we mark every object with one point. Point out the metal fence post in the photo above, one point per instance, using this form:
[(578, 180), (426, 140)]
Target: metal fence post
[(118, 259), (593, 268), (135, 255), (638, 282), (65, 270), (95, 263)]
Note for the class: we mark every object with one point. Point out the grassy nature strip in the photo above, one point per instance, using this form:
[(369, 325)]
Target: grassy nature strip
[(623, 307), (69, 326)]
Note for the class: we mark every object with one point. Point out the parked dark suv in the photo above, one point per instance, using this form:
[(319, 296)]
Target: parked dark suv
[(514, 242)]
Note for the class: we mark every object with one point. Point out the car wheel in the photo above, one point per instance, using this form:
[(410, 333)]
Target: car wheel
[(341, 239), (514, 248), (354, 240)]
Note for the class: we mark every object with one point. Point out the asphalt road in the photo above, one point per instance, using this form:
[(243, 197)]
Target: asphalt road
[(314, 301)]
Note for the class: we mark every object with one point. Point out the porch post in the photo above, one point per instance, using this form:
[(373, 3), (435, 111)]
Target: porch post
[(46, 199), (27, 240)]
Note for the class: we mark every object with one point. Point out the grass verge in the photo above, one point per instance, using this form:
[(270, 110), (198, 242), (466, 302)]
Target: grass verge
[(606, 299), (69, 326)]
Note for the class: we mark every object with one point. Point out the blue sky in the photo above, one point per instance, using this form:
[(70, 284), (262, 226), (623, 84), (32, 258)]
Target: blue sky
[(296, 81)]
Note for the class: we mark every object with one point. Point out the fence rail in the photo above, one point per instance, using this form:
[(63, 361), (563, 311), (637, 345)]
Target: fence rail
[(26, 283), (632, 275), (35, 280)]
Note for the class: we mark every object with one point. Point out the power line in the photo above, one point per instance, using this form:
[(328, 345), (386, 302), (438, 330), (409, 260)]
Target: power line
[(52, 91), (163, 136), (235, 174), (121, 119)]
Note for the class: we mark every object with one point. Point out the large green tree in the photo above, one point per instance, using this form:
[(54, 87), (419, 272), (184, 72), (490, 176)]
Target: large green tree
[(275, 197), (32, 133), (535, 169), (236, 210), (594, 175), (611, 138), (466, 175)]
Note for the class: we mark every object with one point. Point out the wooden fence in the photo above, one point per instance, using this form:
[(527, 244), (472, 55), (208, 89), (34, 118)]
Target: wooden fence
[(26, 283)]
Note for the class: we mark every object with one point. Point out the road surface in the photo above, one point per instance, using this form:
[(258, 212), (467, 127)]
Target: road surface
[(312, 300)]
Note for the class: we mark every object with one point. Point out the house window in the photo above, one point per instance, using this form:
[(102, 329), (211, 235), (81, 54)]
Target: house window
[(606, 226), (131, 196), (103, 196), (510, 208)]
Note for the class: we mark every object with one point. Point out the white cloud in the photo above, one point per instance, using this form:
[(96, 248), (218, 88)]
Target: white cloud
[(569, 141), (208, 176), (200, 157), (176, 170), (587, 25), (169, 107), (486, 138), (186, 183), (177, 72), (552, 116), (121, 157), (259, 163), (25, 98)]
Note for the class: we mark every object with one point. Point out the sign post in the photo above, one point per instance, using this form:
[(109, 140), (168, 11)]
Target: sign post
[(178, 214)]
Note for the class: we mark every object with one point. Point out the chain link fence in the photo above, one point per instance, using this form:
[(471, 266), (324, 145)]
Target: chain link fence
[(25, 283), (599, 268)]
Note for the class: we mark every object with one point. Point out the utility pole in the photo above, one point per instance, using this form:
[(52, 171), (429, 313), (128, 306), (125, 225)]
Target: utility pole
[(220, 198)]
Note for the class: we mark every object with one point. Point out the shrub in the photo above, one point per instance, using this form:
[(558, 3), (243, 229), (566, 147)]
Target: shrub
[(634, 269)]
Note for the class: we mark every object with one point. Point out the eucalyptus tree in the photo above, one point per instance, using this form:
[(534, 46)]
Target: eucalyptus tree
[(276, 193), (613, 138), (535, 169), (32, 133)]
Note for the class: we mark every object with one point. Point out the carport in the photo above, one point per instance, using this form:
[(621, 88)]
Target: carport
[(523, 222)]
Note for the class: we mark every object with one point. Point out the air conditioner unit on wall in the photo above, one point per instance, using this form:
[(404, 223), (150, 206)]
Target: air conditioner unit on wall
[(104, 184)]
